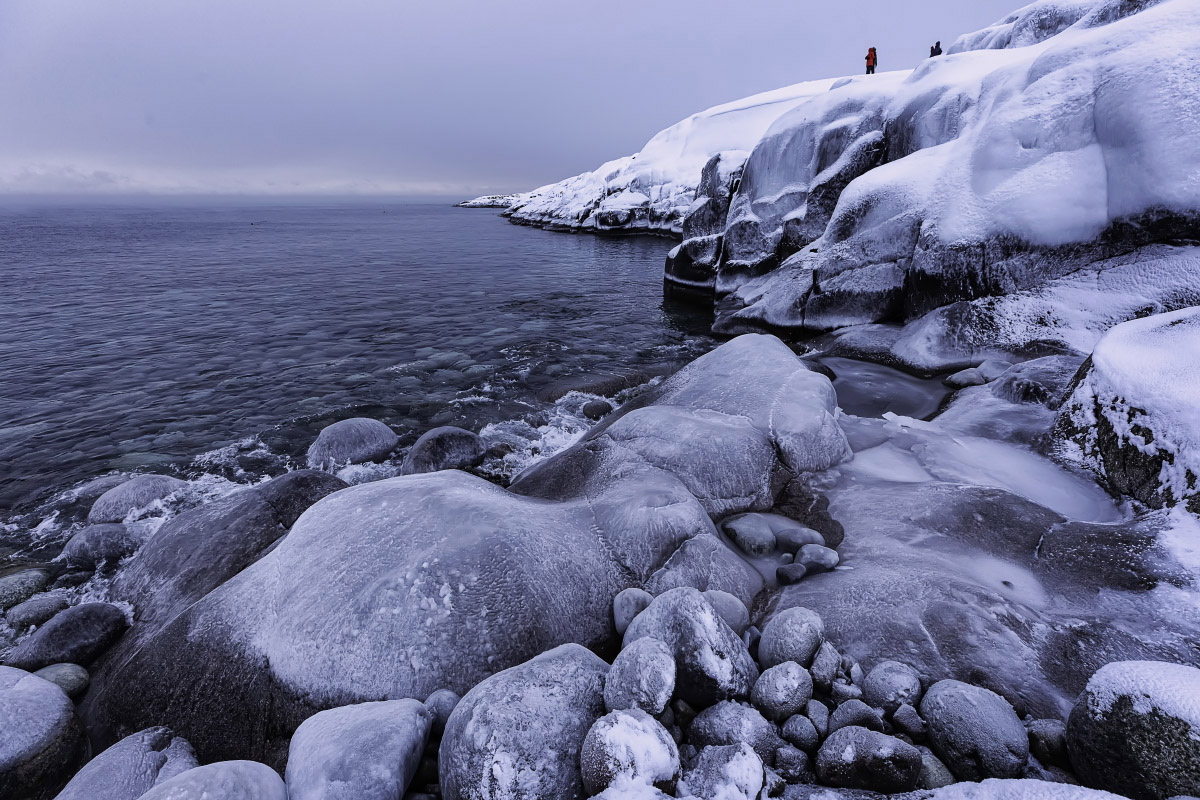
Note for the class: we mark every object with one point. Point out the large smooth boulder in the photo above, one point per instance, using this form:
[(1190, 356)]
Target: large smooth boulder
[(628, 745), (367, 751), (351, 441), (77, 636), (228, 780), (100, 545), (520, 732), (444, 448), (711, 662), (975, 731), (139, 492), (131, 767), (1136, 730), (41, 740), (858, 758)]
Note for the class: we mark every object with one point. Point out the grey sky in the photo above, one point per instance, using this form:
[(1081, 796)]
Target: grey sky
[(454, 97)]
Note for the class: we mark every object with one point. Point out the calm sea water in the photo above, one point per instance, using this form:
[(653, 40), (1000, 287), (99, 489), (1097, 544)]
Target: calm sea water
[(190, 339)]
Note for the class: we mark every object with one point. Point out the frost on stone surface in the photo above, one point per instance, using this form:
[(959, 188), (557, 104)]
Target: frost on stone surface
[(1000, 789), (1134, 416), (1170, 689)]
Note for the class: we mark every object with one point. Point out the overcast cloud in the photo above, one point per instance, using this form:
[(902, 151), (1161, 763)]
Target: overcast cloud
[(456, 97)]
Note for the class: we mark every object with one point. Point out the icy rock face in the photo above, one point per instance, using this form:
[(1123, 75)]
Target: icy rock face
[(115, 504), (519, 733), (1133, 417), (711, 661), (653, 189), (131, 767), (229, 780), (1136, 730), (367, 751), (352, 441), (41, 740), (990, 172), (444, 448), (692, 266), (1027, 26)]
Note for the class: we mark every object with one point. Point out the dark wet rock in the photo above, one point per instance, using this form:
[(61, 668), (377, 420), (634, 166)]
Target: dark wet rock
[(730, 609), (858, 758), (890, 685), (730, 772), (975, 731), (825, 666), (704, 563), (76, 636), (228, 780), (100, 545), (139, 492), (964, 378), (782, 691), (934, 774), (198, 550), (791, 538), (817, 558), (441, 704), (642, 676), (855, 713), (444, 448), (711, 662), (132, 767), (35, 611), (800, 731), (597, 409), (41, 740), (1135, 730), (352, 441), (730, 723), (790, 574), (793, 634), (843, 691), (530, 720), (1042, 380), (792, 764), (69, 580), (368, 751), (818, 713), (907, 721), (71, 678), (20, 586), (751, 533), (629, 745), (1048, 742), (628, 604)]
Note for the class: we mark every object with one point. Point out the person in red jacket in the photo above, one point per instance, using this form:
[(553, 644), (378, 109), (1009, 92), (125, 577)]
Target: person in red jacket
[(872, 60)]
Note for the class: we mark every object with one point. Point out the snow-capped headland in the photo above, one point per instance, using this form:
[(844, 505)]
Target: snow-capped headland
[(925, 527)]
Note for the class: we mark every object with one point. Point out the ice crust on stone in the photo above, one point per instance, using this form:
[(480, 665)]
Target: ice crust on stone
[(1020, 789), (1171, 689)]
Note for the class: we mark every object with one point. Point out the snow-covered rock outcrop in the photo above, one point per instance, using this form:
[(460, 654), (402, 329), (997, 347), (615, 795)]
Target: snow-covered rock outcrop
[(1134, 418), (652, 190)]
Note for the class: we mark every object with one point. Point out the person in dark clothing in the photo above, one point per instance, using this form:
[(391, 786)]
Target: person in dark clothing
[(936, 50), (872, 61)]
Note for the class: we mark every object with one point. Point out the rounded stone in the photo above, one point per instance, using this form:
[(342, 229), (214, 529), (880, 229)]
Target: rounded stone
[(37, 610), (139, 492), (731, 723), (891, 684), (351, 441), (631, 745), (751, 533), (730, 609), (228, 780), (444, 448), (782, 691), (793, 634), (74, 636), (975, 731), (858, 758), (817, 558), (71, 678), (855, 712), (800, 731), (441, 703), (790, 574), (627, 605), (642, 676), (41, 740), (20, 586), (597, 409), (727, 772), (100, 545)]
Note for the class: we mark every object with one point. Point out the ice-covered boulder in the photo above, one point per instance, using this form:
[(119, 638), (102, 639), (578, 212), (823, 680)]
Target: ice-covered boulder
[(367, 751), (115, 504), (100, 545), (352, 441), (228, 780), (858, 758), (782, 690), (711, 662), (520, 732), (727, 772), (1134, 418), (628, 745), (975, 731), (131, 767), (77, 636), (41, 740), (730, 723), (890, 685), (642, 676), (705, 563), (653, 189), (1000, 789), (444, 448), (1136, 730), (794, 634)]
